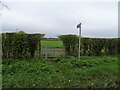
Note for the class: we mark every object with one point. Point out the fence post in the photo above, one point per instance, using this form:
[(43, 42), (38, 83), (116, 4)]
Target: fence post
[(46, 52), (40, 49)]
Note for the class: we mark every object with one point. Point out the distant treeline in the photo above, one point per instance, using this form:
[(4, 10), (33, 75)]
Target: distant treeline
[(90, 46), (51, 39), (20, 45)]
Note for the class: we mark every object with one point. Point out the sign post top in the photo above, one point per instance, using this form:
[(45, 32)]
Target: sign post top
[(79, 25)]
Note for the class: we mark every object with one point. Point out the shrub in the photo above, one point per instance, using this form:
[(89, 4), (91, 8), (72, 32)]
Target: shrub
[(70, 42), (20, 45)]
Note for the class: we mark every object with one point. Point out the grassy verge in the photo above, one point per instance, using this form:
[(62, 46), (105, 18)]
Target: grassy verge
[(97, 72)]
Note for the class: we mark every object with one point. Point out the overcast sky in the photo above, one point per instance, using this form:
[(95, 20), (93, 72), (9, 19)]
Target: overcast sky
[(99, 19)]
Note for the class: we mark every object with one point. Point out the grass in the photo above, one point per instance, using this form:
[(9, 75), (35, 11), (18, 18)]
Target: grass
[(89, 72), (52, 43)]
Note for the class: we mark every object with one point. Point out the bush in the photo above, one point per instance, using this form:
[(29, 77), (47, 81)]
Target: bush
[(90, 46), (20, 45), (71, 43)]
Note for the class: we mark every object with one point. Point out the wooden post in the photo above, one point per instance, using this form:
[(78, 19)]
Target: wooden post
[(46, 52), (39, 48)]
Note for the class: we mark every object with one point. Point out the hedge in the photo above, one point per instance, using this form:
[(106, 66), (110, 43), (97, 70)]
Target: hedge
[(90, 46), (20, 45)]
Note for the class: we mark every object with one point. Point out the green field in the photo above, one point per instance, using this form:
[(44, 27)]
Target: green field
[(97, 72), (51, 44)]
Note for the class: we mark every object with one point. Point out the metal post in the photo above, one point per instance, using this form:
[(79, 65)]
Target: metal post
[(79, 26)]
